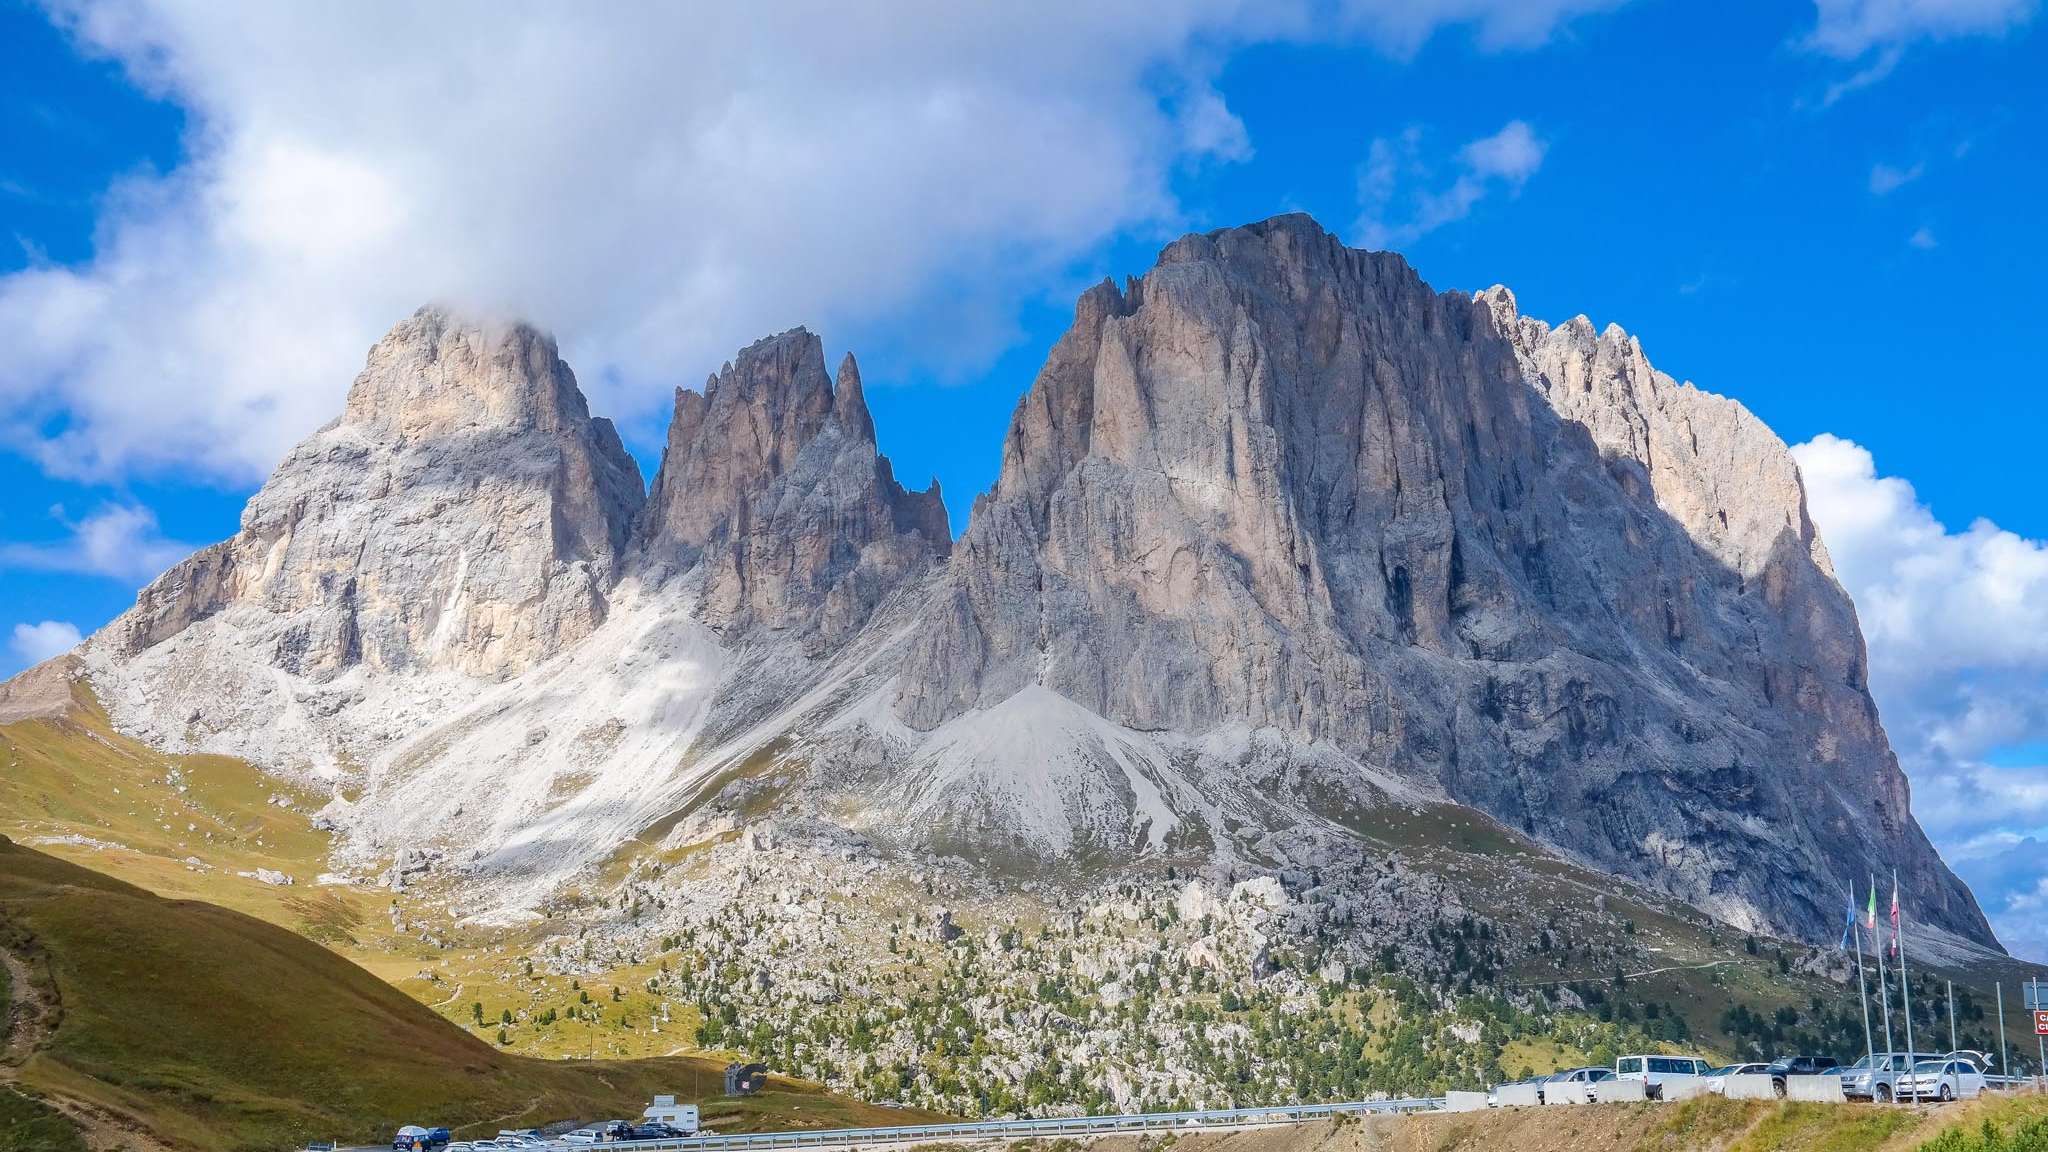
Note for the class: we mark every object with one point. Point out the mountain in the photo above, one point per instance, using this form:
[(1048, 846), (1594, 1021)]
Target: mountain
[(1284, 544), (465, 512), (1280, 483)]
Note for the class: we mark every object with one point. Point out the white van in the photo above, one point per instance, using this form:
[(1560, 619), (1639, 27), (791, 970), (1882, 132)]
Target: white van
[(1654, 1071)]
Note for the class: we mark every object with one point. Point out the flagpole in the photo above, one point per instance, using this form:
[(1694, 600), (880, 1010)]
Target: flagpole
[(1951, 1015), (1863, 994), (1905, 980), (2040, 1044), (1884, 987), (2004, 1069)]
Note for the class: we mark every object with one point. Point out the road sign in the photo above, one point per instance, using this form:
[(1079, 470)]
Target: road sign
[(2041, 1022)]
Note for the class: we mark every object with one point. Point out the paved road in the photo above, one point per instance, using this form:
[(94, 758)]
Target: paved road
[(904, 1135)]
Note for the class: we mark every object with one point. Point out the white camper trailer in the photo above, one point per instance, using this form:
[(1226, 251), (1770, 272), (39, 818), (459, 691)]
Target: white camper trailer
[(665, 1110)]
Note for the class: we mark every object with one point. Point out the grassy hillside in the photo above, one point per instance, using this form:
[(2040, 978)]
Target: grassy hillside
[(208, 1028), (1572, 968), (1705, 1125), (202, 827)]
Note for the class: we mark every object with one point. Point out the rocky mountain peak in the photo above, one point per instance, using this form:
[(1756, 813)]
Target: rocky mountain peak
[(1281, 483), (466, 512), (1281, 536), (771, 482), (850, 404), (438, 373)]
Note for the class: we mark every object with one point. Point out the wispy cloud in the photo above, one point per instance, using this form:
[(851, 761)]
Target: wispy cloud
[(1885, 179), (119, 541), (1396, 204), (1874, 34), (1923, 239)]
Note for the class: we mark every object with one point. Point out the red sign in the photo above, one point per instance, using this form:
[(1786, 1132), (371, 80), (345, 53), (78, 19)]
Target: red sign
[(2041, 1022)]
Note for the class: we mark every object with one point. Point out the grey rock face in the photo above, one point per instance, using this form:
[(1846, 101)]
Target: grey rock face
[(466, 512), (1284, 543), (771, 482), (1282, 483)]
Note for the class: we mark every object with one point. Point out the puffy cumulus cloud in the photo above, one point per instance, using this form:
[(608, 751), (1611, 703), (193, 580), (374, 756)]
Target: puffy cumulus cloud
[(658, 184), (1957, 625), (119, 541), (1396, 202), (32, 644)]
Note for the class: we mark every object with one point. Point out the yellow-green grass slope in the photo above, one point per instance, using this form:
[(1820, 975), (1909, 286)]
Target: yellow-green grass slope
[(205, 1028), (201, 827)]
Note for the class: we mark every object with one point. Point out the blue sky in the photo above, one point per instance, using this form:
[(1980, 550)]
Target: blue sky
[(1830, 212)]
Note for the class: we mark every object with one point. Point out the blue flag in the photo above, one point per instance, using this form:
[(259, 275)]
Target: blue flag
[(1849, 925)]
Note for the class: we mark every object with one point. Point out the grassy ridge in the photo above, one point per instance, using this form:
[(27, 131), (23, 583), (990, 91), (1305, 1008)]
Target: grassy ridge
[(212, 1029)]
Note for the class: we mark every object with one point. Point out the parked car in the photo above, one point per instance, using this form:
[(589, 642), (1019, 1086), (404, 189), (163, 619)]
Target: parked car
[(1717, 1078), (1580, 1080), (1655, 1071), (1785, 1066), (408, 1138), (581, 1136), (520, 1138), (1942, 1080), (319, 1146), (1874, 1077)]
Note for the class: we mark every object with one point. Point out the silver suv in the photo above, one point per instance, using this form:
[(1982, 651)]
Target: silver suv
[(1875, 1077)]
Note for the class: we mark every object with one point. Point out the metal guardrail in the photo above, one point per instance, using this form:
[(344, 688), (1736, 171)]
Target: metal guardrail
[(1056, 1126)]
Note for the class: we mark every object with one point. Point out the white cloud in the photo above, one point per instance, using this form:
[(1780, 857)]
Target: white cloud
[(1393, 211), (1885, 179), (34, 643), (1847, 29), (1878, 32), (1923, 239), (659, 184), (120, 541), (1957, 626)]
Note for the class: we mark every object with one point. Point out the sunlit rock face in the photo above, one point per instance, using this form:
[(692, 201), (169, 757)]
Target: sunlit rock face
[(1284, 541), (1282, 483), (465, 512)]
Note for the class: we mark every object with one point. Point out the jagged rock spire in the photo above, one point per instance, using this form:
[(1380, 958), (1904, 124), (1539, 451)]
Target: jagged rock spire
[(771, 481)]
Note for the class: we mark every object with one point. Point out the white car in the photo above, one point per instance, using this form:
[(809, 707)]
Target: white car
[(580, 1136), (1654, 1071), (1580, 1080), (1717, 1080), (1942, 1080)]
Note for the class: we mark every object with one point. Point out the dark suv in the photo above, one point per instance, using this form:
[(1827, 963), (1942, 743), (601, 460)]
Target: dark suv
[(1785, 1066)]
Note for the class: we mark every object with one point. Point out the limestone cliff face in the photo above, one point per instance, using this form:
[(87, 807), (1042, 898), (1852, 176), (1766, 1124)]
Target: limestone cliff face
[(1282, 483), (1281, 535), (465, 512), (771, 482)]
